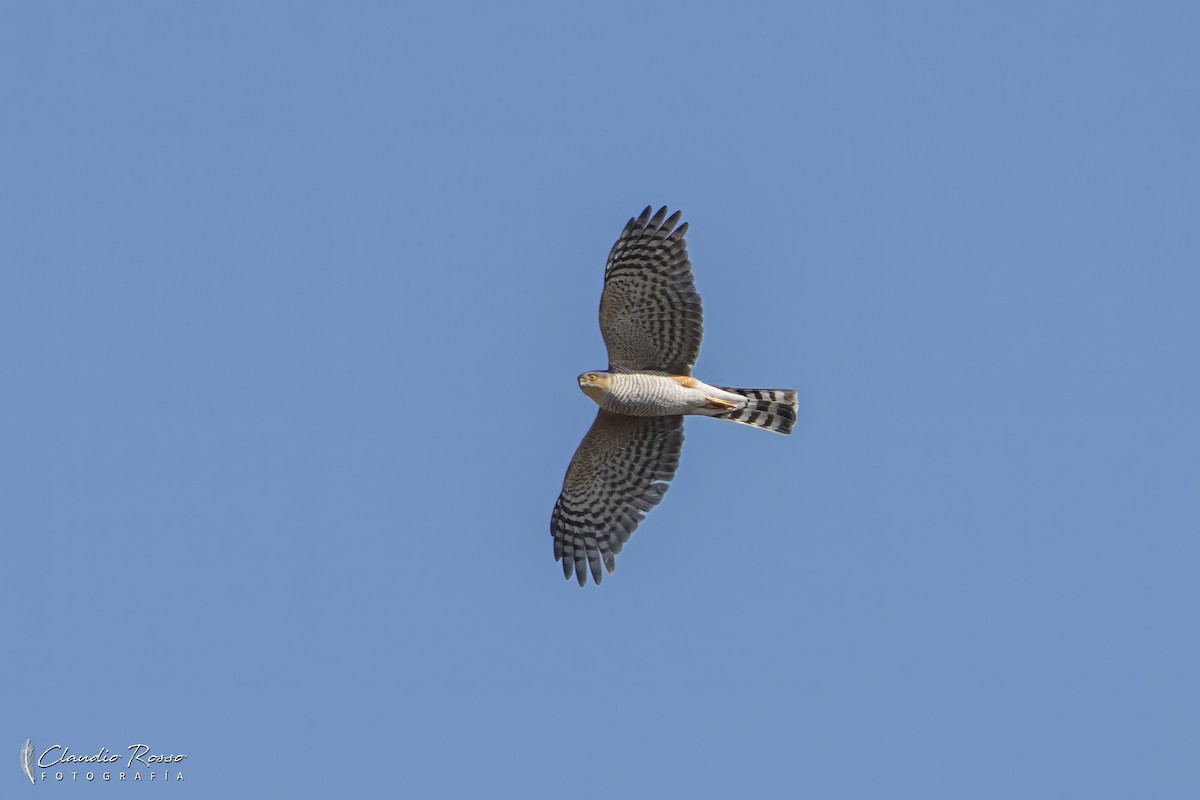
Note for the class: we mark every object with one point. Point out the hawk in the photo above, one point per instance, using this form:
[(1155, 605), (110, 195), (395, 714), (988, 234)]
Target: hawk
[(652, 323)]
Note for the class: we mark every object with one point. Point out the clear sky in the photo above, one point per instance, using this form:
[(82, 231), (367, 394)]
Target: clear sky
[(292, 301)]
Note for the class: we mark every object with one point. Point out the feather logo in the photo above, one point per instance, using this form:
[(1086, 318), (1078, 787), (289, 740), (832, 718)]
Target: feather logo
[(27, 760)]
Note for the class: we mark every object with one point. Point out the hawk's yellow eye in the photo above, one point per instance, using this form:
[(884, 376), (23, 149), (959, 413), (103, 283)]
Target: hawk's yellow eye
[(591, 376)]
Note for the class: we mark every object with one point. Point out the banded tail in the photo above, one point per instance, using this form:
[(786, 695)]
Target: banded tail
[(773, 409)]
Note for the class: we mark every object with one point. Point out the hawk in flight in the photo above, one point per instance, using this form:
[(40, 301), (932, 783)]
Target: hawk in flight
[(652, 323)]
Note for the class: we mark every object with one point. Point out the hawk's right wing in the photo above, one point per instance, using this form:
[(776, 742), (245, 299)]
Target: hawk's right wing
[(650, 314), (619, 472)]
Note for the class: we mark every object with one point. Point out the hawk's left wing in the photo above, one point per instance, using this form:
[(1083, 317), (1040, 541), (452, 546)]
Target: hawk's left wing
[(650, 314), (619, 472)]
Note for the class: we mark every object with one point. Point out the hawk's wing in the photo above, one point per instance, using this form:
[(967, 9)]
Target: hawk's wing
[(619, 472), (650, 313)]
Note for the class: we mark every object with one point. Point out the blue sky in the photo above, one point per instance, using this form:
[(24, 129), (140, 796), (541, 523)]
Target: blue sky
[(293, 298)]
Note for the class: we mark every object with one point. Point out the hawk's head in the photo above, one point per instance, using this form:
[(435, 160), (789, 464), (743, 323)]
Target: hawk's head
[(595, 384)]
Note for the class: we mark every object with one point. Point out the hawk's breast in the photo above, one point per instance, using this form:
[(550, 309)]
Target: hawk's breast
[(642, 394)]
